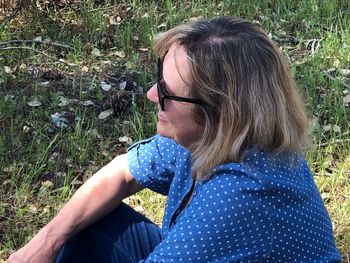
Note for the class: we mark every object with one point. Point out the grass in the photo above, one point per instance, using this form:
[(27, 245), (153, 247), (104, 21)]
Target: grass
[(41, 165)]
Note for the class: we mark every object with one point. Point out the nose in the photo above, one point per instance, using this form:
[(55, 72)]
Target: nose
[(152, 94)]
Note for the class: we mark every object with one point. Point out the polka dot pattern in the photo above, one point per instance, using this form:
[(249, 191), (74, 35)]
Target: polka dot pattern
[(265, 209)]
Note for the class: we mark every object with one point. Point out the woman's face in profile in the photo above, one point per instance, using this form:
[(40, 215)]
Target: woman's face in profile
[(176, 121)]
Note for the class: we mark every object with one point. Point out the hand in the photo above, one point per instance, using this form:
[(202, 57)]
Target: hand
[(38, 250)]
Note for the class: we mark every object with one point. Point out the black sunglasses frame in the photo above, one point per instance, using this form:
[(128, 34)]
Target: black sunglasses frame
[(162, 92)]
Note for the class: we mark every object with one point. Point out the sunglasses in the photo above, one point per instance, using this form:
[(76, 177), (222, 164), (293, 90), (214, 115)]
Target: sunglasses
[(163, 93)]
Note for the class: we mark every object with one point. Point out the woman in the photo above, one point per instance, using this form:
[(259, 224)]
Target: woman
[(230, 129)]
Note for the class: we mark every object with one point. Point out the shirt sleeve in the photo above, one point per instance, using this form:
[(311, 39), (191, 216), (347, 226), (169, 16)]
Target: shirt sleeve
[(220, 225), (152, 162)]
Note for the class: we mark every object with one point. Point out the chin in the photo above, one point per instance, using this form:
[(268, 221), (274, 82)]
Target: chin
[(163, 131)]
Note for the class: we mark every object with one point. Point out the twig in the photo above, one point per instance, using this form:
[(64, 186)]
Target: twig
[(37, 41), (335, 79), (288, 39), (32, 49), (337, 141)]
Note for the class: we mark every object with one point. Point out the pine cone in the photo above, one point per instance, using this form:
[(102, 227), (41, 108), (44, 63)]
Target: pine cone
[(122, 103)]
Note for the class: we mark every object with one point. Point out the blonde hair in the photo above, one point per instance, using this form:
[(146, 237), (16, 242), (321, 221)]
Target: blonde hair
[(251, 99)]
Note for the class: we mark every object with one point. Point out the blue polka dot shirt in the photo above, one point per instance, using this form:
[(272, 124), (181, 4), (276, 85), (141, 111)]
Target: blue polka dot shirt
[(265, 209)]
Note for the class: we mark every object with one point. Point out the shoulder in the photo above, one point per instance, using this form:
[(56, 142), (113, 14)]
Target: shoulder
[(158, 147), (153, 162)]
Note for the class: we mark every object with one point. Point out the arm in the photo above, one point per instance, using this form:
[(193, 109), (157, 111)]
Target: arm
[(99, 195)]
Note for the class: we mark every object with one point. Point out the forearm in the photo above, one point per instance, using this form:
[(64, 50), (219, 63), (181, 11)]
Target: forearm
[(99, 195), (103, 192)]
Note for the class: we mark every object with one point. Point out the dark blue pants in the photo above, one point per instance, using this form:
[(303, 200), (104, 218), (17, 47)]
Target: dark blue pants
[(122, 236)]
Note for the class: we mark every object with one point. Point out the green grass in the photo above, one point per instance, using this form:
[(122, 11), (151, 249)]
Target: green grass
[(42, 165)]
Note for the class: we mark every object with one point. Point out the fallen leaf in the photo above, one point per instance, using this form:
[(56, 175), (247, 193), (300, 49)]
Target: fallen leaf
[(87, 103), (96, 68), (125, 139), (129, 65), (34, 103), (336, 128), (32, 208), (120, 54), (96, 52), (122, 85), (47, 184), (327, 128), (63, 101), (282, 32), (53, 157), (346, 100), (162, 25), (77, 182), (106, 153), (112, 20), (331, 70), (105, 114), (85, 69), (7, 69), (313, 122), (105, 86), (10, 168), (60, 174), (345, 71), (46, 209), (336, 63), (26, 129)]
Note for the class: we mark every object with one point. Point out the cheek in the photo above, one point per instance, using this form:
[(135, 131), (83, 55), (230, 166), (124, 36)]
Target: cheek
[(186, 124)]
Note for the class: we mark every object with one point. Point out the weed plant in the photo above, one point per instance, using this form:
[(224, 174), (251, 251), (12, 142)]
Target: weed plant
[(80, 46)]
